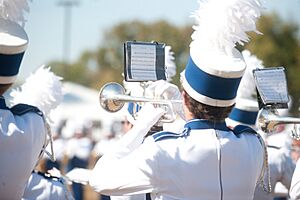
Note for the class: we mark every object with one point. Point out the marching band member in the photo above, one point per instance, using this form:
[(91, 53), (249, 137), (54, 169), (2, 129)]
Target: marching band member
[(280, 165), (245, 112), (206, 160), (23, 128), (46, 95)]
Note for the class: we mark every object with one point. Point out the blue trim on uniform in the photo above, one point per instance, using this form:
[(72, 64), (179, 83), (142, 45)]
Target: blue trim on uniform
[(193, 124), (21, 109), (166, 134), (202, 124), (2, 103), (239, 129), (209, 85), (10, 64), (245, 117), (206, 124)]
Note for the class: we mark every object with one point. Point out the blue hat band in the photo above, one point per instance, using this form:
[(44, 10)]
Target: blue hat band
[(209, 85), (10, 64), (245, 117)]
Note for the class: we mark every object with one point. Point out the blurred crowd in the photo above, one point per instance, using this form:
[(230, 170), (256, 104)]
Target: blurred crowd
[(79, 143)]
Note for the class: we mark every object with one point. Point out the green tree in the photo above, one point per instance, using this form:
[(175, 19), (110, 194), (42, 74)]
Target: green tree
[(278, 46), (108, 60)]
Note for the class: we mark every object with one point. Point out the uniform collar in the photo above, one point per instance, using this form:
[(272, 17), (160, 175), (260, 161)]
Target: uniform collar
[(206, 124), (2, 103)]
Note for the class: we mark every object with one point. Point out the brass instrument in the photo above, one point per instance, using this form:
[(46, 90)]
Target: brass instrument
[(268, 119), (112, 98)]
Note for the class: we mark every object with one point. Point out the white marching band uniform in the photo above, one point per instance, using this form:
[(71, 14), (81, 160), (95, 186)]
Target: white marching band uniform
[(46, 97), (206, 160), (197, 164), (245, 112), (23, 128), (22, 137)]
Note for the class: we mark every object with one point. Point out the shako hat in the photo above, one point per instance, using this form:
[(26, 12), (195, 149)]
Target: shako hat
[(246, 108), (13, 38), (215, 67)]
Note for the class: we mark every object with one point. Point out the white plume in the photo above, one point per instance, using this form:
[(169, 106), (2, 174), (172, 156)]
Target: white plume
[(14, 10), (247, 87), (223, 23), (169, 62), (42, 89)]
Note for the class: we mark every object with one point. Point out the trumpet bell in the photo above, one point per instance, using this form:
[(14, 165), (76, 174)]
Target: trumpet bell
[(112, 98), (107, 94)]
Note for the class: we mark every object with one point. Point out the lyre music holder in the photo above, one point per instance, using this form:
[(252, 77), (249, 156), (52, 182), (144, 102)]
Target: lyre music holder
[(144, 61), (271, 87)]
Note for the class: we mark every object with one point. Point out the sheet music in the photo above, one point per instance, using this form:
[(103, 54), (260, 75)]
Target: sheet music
[(272, 85), (143, 59)]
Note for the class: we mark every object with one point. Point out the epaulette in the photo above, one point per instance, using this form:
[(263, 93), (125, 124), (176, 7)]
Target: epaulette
[(21, 109), (239, 129), (166, 135)]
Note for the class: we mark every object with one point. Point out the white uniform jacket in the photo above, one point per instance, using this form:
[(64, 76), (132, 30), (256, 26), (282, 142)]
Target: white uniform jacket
[(22, 136), (281, 170), (206, 161)]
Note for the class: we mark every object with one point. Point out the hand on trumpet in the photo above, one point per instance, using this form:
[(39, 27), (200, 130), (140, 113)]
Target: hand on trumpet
[(164, 90)]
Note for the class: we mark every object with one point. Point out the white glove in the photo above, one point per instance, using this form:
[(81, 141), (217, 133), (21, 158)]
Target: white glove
[(133, 88), (164, 90), (147, 117)]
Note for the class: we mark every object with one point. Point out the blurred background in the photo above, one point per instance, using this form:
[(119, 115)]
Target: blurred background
[(82, 41)]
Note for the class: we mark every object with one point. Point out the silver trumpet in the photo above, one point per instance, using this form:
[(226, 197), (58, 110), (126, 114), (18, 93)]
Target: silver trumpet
[(112, 98), (268, 119)]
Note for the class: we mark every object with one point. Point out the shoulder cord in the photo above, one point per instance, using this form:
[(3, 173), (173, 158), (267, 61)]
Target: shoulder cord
[(49, 138), (51, 155), (266, 170)]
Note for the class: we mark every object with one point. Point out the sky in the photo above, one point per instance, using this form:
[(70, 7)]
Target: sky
[(91, 18)]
